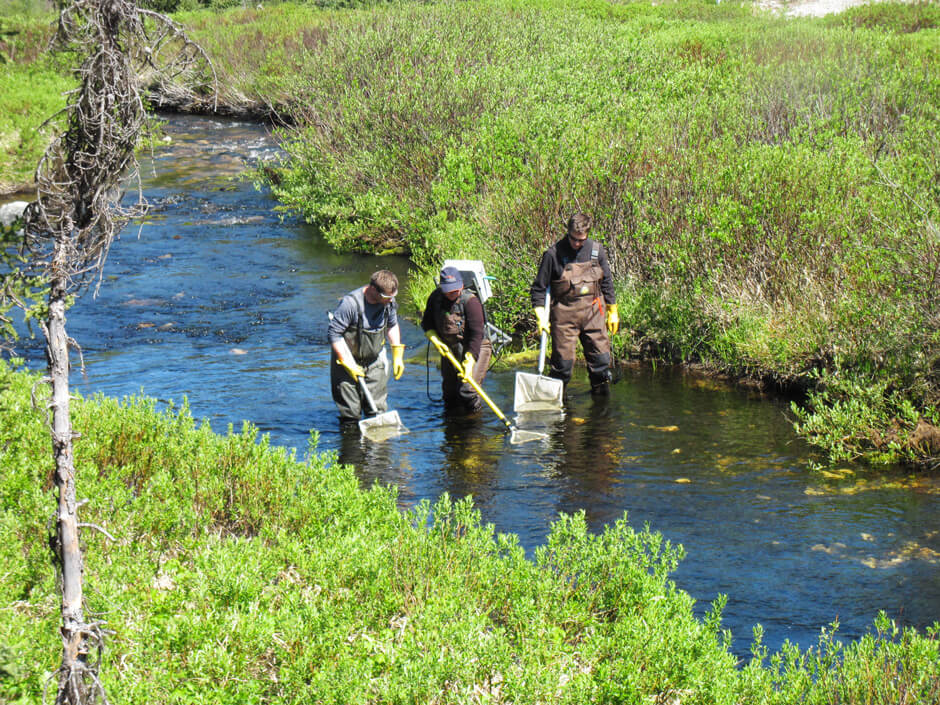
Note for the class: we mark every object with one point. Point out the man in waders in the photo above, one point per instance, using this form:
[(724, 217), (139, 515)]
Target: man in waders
[(583, 304), (364, 319), (455, 315)]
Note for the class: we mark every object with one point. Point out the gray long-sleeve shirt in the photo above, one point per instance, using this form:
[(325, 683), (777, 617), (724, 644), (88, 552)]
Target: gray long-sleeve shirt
[(346, 316)]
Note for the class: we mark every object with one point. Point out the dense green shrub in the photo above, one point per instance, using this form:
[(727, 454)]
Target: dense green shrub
[(766, 186), (238, 573)]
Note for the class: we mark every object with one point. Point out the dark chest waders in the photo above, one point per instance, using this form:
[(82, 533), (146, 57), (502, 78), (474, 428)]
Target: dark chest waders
[(451, 325), (365, 345)]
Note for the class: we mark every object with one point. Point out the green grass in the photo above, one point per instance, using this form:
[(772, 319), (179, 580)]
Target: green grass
[(31, 91), (240, 574), (255, 51), (25, 8)]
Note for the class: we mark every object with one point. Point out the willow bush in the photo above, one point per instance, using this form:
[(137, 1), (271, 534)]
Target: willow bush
[(766, 186)]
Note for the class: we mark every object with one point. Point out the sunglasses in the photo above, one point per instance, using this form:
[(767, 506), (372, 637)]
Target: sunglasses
[(387, 297)]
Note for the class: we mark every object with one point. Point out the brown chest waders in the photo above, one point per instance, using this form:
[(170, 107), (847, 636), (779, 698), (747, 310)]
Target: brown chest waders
[(578, 314)]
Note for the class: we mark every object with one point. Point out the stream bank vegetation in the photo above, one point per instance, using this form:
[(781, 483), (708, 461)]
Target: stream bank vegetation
[(767, 187), (232, 572), (67, 233)]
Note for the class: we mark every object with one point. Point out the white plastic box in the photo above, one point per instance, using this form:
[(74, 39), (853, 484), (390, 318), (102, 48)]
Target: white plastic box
[(473, 274)]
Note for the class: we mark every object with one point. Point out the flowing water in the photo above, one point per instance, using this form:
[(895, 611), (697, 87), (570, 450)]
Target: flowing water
[(220, 301)]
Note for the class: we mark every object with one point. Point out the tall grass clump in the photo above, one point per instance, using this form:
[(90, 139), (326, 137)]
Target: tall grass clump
[(229, 571), (766, 187), (255, 49)]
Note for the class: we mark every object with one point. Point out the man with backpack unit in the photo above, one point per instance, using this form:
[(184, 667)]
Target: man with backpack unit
[(454, 315)]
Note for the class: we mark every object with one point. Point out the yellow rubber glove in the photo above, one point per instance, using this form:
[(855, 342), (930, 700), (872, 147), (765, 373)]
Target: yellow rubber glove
[(541, 317), (438, 343), (468, 363), (613, 319), (353, 368), (398, 361)]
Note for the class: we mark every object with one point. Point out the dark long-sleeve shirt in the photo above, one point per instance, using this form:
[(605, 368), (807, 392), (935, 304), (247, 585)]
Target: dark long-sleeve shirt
[(473, 314), (553, 264)]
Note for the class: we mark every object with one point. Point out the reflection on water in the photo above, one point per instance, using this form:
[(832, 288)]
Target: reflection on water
[(221, 302)]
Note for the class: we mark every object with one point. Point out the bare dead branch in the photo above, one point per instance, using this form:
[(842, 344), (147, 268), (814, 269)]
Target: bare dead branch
[(80, 203), (97, 528)]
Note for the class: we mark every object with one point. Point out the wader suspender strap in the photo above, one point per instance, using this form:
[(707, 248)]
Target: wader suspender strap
[(359, 298), (361, 311), (564, 262), (458, 310), (465, 296)]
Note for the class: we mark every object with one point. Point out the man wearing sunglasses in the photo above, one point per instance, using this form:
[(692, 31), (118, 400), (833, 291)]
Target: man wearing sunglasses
[(359, 327), (576, 272)]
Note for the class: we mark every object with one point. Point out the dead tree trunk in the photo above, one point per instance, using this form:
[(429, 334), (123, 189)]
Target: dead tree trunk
[(70, 228), (73, 686)]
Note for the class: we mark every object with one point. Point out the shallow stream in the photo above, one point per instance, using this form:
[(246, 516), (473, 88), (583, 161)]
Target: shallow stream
[(221, 301)]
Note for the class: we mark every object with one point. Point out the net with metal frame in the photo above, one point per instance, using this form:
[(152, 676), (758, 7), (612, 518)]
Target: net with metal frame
[(382, 426), (534, 392)]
